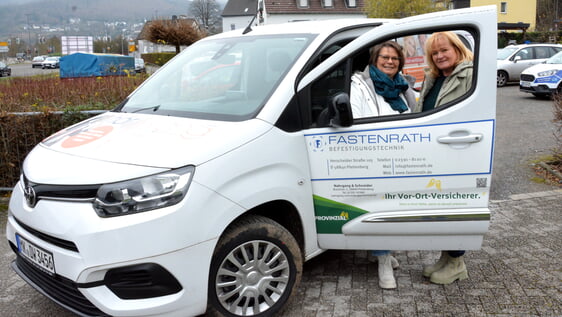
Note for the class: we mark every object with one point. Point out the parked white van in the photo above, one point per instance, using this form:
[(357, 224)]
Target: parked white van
[(208, 194)]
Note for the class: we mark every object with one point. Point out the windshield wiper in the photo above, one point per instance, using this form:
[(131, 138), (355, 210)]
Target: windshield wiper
[(153, 108)]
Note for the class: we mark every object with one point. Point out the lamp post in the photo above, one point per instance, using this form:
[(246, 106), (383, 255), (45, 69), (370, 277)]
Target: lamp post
[(28, 34)]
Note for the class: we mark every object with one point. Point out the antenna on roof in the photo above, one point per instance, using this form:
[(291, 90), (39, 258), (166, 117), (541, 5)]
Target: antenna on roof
[(249, 27)]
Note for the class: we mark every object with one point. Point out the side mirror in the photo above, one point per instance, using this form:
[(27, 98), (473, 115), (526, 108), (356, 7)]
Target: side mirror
[(517, 58), (339, 111)]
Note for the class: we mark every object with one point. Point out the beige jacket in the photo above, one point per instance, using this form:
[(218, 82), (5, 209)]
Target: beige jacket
[(455, 85)]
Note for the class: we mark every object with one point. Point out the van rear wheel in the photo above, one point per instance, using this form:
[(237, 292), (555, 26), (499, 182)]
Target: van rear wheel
[(255, 271)]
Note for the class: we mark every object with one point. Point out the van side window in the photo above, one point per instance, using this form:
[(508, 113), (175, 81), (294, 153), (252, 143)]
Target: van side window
[(414, 71), (321, 92)]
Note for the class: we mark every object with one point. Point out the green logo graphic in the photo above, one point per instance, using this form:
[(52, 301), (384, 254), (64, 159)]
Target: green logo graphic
[(332, 215)]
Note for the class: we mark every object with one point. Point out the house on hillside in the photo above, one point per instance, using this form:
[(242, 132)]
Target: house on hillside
[(239, 13), (144, 46)]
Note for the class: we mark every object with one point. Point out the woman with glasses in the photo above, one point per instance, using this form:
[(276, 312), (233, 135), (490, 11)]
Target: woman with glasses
[(380, 89), (377, 91)]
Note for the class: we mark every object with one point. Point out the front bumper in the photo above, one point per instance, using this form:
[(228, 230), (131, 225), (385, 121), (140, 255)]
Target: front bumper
[(538, 89), (176, 239)]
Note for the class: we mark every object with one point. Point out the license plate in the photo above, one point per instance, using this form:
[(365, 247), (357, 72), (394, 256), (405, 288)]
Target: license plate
[(40, 257), (525, 84)]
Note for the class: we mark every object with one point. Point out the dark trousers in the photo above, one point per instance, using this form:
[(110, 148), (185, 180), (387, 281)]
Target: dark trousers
[(456, 254)]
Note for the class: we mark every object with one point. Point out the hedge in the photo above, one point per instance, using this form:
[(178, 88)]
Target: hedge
[(20, 132)]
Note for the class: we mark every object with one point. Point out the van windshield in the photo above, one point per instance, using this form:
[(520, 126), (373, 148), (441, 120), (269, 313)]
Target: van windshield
[(223, 79)]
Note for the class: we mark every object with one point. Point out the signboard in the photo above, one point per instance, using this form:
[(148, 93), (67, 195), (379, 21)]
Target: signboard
[(77, 44)]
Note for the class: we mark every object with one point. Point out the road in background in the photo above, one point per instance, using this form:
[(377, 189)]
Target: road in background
[(24, 69)]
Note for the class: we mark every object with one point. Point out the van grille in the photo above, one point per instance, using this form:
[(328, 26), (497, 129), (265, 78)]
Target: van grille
[(59, 289), (65, 244)]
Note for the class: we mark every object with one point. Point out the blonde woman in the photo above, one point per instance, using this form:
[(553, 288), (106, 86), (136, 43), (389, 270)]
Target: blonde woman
[(450, 70), (449, 77)]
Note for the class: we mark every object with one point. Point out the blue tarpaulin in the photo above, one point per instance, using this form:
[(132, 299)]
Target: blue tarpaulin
[(93, 65)]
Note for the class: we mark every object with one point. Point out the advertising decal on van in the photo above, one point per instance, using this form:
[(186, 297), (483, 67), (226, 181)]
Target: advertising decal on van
[(361, 171), (380, 153)]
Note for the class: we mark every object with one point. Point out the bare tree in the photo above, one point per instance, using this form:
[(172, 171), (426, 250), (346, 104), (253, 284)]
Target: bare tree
[(548, 12), (175, 32), (207, 13)]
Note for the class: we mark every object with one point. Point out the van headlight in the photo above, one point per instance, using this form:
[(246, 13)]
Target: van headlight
[(143, 194), (547, 73)]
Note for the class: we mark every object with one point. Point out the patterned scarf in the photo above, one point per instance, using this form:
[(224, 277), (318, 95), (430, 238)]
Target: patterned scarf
[(389, 89)]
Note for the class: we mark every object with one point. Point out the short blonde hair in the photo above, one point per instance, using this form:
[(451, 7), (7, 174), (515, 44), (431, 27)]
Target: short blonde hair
[(463, 52)]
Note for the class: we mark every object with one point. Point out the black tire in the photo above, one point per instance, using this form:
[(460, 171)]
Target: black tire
[(501, 78), (267, 258)]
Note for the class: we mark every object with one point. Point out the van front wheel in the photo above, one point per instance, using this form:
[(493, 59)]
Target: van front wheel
[(255, 270)]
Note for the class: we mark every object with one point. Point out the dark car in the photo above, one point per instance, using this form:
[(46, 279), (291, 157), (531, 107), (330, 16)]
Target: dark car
[(5, 70), (37, 60)]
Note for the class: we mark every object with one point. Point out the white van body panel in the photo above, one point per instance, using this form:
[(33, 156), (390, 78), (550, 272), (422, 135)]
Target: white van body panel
[(172, 140)]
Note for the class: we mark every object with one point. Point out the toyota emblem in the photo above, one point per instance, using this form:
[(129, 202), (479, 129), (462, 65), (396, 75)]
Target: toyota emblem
[(30, 196)]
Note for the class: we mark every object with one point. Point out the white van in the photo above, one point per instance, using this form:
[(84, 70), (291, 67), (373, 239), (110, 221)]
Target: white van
[(212, 183)]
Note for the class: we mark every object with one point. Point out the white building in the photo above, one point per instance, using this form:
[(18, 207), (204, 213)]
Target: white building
[(239, 13)]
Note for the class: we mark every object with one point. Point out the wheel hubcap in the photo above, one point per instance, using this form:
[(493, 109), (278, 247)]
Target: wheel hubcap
[(252, 278)]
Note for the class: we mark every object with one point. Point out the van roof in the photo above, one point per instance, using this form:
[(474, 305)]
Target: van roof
[(304, 27)]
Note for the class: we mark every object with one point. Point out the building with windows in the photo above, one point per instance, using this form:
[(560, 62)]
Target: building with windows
[(240, 13), (513, 15)]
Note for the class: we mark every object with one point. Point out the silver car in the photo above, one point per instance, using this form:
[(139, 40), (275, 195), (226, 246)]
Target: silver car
[(513, 59)]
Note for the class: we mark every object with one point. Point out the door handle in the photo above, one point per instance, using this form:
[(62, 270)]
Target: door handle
[(460, 139)]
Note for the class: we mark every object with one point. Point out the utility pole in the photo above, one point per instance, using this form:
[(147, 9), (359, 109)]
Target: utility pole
[(28, 35)]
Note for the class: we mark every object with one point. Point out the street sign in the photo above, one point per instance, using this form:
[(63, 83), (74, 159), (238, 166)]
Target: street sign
[(4, 49)]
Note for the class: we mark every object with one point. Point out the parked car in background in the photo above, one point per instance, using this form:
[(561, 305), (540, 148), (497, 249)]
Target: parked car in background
[(513, 59), (51, 62), (543, 80), (37, 60), (5, 70), (139, 65)]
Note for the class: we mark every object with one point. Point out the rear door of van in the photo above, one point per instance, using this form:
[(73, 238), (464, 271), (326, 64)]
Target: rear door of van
[(418, 181)]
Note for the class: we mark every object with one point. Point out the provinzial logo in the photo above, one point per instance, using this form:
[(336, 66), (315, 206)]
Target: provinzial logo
[(343, 216)]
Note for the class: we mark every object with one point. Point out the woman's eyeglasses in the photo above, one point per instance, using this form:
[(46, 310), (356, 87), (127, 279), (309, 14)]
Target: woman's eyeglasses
[(386, 58)]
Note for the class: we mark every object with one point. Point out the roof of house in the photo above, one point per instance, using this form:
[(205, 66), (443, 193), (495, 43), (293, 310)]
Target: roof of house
[(314, 7), (250, 7), (240, 8)]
